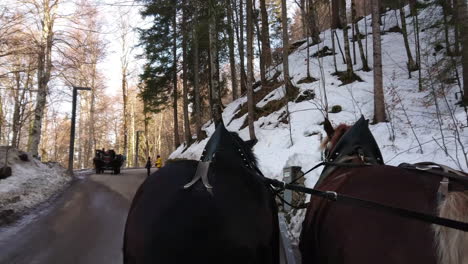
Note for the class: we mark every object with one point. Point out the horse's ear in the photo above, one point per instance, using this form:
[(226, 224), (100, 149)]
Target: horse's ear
[(251, 143), (328, 128)]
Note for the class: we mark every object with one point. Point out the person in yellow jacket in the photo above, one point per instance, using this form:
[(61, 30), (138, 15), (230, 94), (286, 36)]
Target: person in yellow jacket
[(158, 162)]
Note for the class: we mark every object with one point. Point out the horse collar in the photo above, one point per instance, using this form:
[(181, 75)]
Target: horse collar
[(358, 140)]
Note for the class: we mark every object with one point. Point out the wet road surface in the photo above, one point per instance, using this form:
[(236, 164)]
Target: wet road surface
[(84, 225)]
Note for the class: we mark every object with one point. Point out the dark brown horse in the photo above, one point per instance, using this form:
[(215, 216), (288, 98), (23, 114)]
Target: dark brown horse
[(229, 216), (336, 233)]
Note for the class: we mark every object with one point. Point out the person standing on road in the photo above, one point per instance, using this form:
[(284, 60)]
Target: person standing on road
[(158, 162), (148, 165)]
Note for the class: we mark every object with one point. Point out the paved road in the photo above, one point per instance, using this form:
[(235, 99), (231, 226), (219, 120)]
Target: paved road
[(83, 225)]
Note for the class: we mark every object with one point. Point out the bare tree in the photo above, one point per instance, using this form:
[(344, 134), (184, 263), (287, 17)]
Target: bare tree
[(240, 41), (214, 72), (125, 49), (414, 13), (232, 59), (365, 65), (196, 87), (411, 64), (174, 93), (379, 101), (187, 133), (46, 11), (463, 18), (250, 99), (266, 48), (284, 18), (343, 22)]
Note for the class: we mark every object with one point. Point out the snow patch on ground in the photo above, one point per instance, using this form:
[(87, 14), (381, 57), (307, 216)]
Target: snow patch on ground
[(31, 183)]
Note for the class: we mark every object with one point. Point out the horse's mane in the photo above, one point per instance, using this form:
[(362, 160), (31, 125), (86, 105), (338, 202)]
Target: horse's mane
[(339, 132), (247, 150)]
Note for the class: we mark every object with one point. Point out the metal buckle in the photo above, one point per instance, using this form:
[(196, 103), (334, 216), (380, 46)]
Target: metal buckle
[(331, 195)]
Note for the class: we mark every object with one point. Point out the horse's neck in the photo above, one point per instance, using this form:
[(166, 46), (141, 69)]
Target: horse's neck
[(331, 171)]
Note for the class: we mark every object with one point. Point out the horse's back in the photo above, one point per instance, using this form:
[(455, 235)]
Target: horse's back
[(338, 233), (169, 224)]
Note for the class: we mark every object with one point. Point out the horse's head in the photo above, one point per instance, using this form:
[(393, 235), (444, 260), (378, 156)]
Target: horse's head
[(228, 145), (345, 140), (333, 135), (345, 144), (228, 149)]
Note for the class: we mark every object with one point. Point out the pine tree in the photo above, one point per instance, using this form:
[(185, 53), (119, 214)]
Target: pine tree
[(159, 71)]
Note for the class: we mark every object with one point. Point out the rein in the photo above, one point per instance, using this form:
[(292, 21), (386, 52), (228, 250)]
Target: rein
[(336, 197)]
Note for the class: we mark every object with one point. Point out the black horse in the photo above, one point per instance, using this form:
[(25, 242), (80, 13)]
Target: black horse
[(229, 216)]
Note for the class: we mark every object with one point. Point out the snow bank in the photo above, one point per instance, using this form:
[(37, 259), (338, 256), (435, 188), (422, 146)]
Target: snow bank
[(31, 183)]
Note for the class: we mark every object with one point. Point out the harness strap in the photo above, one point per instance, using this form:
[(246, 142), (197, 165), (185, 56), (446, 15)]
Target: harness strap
[(333, 196), (450, 174)]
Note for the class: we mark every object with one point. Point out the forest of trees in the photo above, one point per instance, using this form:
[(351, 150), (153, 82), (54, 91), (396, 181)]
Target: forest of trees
[(197, 57)]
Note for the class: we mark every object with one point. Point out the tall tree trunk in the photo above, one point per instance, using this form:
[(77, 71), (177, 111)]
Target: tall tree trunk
[(365, 28), (131, 146), (284, 18), (349, 62), (80, 133), (16, 110), (445, 8), (304, 18), (379, 101), (174, 53), (187, 133), (414, 13), (411, 64), (463, 18), (250, 99), (232, 59), (259, 45), (125, 112), (243, 76), (308, 53), (311, 13), (335, 12), (214, 73), (266, 48), (365, 66), (287, 82), (44, 69), (92, 110), (146, 123), (456, 19), (196, 85), (334, 49)]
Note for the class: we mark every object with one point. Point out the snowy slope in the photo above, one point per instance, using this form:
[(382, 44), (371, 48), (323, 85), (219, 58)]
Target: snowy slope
[(274, 150), (410, 110)]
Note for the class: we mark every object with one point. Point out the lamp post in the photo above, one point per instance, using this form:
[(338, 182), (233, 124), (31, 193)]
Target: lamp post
[(136, 147), (72, 128)]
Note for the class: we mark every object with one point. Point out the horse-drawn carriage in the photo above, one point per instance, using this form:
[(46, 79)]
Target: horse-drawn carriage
[(107, 160)]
